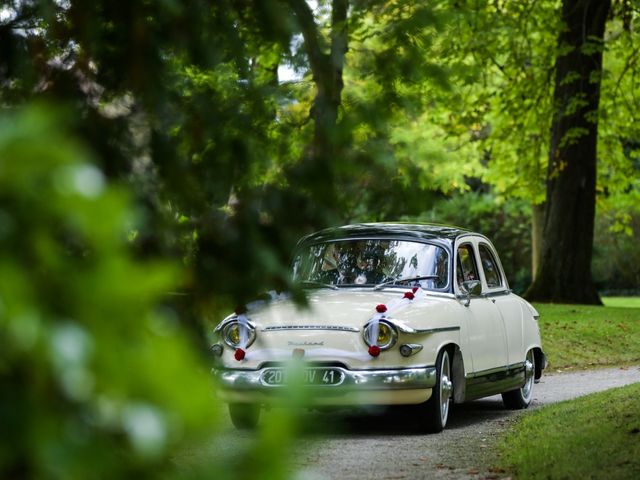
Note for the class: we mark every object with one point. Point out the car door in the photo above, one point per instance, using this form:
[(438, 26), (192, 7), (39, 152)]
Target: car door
[(485, 331), (508, 304)]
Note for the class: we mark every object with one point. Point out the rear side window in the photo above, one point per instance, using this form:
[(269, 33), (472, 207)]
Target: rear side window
[(490, 267), (466, 264)]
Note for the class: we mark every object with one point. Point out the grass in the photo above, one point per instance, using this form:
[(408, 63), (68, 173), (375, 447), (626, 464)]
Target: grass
[(625, 302), (597, 436), (584, 336)]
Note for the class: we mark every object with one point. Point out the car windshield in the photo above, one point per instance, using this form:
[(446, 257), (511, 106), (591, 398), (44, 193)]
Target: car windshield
[(370, 262)]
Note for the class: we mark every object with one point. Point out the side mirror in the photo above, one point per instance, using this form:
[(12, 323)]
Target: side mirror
[(471, 288)]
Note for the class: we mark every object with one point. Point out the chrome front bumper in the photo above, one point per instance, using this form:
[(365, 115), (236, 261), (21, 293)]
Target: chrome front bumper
[(396, 379)]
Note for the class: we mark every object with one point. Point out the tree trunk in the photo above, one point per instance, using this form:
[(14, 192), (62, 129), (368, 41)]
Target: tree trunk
[(326, 67), (564, 273), (537, 222)]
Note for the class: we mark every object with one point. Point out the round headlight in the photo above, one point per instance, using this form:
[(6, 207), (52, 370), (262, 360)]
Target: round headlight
[(236, 334), (387, 334)]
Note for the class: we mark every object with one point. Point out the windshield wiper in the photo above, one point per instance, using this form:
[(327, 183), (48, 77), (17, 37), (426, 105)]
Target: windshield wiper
[(406, 279), (312, 283)]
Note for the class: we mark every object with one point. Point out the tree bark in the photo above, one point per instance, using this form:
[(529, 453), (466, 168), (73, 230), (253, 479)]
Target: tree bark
[(564, 273), (326, 66), (537, 222)]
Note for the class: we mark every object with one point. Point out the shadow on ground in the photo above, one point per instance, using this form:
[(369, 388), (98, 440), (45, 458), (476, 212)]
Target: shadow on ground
[(392, 421)]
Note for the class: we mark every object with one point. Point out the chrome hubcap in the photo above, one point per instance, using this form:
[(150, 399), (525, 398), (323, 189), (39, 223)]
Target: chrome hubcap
[(446, 387), (527, 388)]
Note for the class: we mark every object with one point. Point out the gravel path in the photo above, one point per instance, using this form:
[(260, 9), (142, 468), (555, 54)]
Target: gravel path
[(385, 447)]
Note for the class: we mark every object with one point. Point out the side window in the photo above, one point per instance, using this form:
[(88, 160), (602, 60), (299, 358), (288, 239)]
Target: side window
[(490, 268), (467, 269)]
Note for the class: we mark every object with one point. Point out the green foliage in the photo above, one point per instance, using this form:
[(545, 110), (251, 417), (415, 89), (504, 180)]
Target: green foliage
[(618, 147), (187, 144), (616, 259), (500, 57), (181, 101), (576, 336), (394, 92), (590, 437), (76, 313), (507, 224)]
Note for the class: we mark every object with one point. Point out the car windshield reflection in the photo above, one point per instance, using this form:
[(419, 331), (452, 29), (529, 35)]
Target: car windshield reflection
[(370, 262)]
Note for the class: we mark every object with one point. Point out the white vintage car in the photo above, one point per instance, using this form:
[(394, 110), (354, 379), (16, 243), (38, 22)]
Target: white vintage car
[(398, 314)]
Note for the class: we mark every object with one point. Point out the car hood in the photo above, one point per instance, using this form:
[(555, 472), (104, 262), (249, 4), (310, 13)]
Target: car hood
[(347, 308), (330, 328)]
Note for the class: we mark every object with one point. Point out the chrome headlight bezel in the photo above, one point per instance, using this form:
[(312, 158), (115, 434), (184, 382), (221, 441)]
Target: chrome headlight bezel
[(383, 324), (226, 328)]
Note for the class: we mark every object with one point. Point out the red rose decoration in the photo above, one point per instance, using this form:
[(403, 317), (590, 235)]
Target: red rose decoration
[(415, 289), (239, 355), (381, 308), (374, 350), (409, 295)]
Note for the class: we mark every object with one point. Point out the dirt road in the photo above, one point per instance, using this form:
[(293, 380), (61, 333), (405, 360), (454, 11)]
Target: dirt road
[(366, 449), (386, 446)]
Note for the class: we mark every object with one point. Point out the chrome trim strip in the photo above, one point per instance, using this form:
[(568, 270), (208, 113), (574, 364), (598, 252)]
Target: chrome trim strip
[(222, 324), (437, 330), (494, 380), (398, 379), (336, 328), (424, 331), (431, 293), (493, 371), (497, 293)]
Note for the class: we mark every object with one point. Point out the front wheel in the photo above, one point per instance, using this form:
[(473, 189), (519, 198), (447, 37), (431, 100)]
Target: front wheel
[(521, 397), (435, 411), (244, 416)]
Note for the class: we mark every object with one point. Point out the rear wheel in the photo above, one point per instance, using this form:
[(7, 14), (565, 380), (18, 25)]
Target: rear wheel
[(521, 397), (435, 411), (244, 416)]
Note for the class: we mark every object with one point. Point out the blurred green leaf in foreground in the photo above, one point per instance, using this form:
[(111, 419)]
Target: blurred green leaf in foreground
[(96, 381)]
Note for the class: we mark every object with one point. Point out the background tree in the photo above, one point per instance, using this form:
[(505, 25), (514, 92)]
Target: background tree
[(497, 116), (180, 106), (401, 109), (565, 268)]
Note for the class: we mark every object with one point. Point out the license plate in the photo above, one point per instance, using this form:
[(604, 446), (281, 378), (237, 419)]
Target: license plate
[(309, 376)]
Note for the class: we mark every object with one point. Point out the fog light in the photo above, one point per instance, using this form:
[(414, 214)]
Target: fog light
[(409, 349), (216, 349)]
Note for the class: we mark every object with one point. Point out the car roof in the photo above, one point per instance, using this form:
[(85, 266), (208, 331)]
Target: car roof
[(419, 231)]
